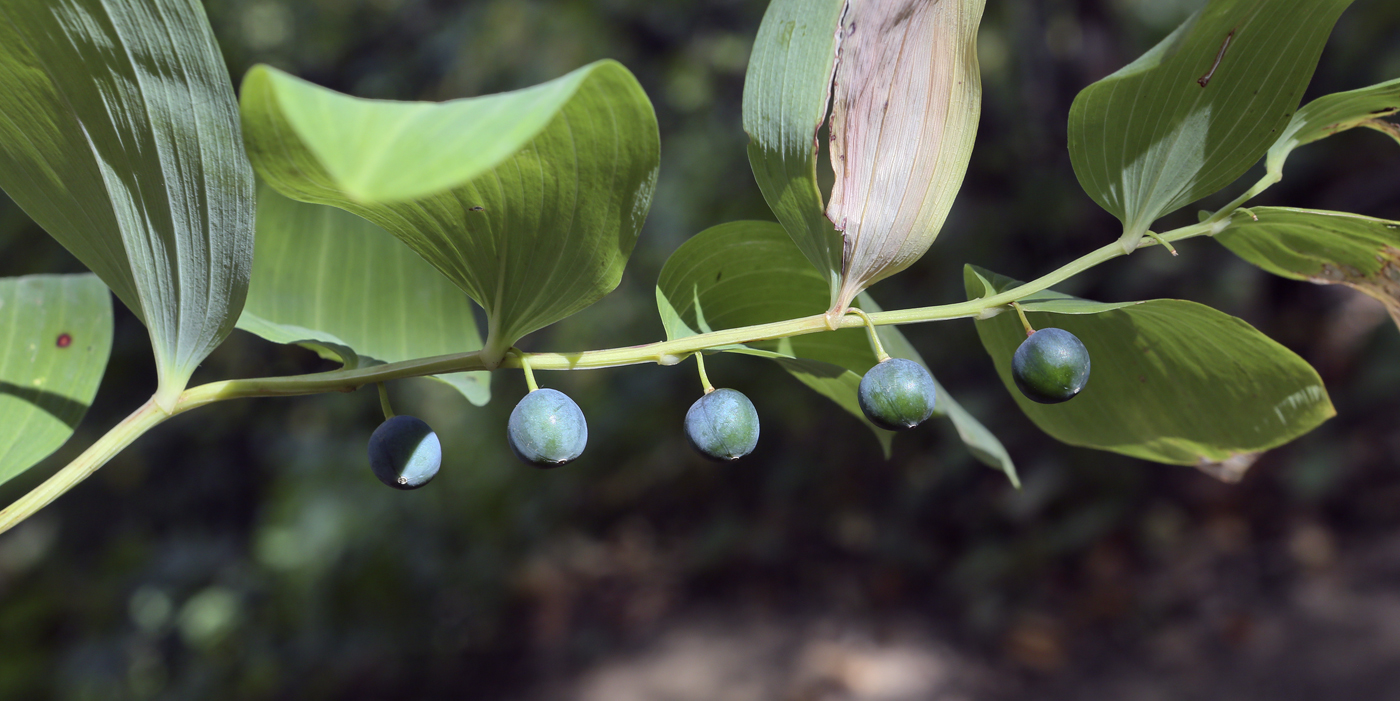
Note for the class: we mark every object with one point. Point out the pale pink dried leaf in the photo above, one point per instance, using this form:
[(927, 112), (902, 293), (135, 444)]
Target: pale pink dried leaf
[(905, 105)]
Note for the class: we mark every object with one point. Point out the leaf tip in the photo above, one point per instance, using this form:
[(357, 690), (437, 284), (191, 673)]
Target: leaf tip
[(1230, 470)]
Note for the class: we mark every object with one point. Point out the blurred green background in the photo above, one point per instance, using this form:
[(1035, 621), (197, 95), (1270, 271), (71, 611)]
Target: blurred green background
[(245, 551)]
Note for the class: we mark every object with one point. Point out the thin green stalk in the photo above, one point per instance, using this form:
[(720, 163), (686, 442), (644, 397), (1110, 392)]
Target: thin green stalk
[(1264, 183), (663, 353), (143, 419), (1165, 243), (704, 379), (1024, 321), (384, 401), (529, 372), (875, 345)]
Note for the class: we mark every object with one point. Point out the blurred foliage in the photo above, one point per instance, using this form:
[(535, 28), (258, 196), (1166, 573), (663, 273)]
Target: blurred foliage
[(247, 552)]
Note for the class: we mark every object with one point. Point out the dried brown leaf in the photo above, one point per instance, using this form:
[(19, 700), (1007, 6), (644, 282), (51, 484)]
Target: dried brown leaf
[(905, 105)]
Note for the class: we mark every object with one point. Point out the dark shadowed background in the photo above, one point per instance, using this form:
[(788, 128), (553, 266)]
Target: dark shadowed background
[(245, 551)]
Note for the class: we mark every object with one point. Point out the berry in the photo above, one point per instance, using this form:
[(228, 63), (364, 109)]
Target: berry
[(547, 429), (1051, 366), (897, 394), (404, 452), (722, 425)]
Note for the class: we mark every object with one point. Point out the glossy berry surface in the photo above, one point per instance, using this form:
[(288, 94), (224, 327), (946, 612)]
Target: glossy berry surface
[(897, 394), (404, 452), (722, 425), (547, 429), (1051, 366)]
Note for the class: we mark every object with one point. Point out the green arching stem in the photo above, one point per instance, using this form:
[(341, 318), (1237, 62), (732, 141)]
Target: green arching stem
[(148, 416), (529, 372), (704, 379), (384, 401), (1224, 213), (662, 352), (1024, 321), (880, 354)]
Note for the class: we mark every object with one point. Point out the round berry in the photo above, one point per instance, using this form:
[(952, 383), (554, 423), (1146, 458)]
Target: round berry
[(404, 452), (722, 425), (547, 429), (897, 394), (1051, 366)]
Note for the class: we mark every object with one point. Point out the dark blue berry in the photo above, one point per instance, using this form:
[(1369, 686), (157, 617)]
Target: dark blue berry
[(897, 394), (722, 425), (1051, 366), (404, 452)]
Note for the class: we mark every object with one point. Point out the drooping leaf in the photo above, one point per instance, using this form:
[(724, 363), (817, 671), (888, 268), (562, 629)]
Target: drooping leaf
[(331, 281), (1193, 114), (1171, 381), (119, 135), (529, 201), (786, 91), (1330, 114), (750, 272), (55, 336), (904, 108), (1328, 248)]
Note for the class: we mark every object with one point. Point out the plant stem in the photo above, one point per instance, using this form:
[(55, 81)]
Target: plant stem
[(1024, 321), (662, 352), (1264, 183), (704, 379), (97, 455), (384, 401), (875, 345), (529, 372)]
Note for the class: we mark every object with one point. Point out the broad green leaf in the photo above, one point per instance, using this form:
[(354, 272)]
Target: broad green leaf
[(750, 272), (119, 135), (904, 108), (1328, 248), (1172, 381), (55, 336), (786, 91), (529, 201), (1327, 115), (1193, 114), (333, 282)]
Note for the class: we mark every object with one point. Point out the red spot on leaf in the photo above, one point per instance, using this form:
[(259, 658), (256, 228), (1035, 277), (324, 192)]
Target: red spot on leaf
[(64, 340)]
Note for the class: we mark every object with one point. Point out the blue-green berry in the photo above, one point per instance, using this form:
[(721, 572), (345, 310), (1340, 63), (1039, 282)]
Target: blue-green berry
[(404, 452), (722, 425), (897, 394), (1051, 366), (547, 429)]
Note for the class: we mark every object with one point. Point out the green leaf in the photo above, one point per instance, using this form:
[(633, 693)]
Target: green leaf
[(750, 272), (529, 201), (1194, 113), (119, 135), (1172, 381), (1327, 115), (1327, 248), (333, 282), (786, 91), (55, 336)]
